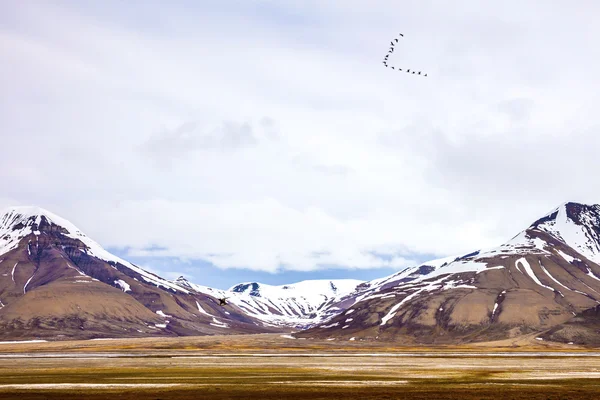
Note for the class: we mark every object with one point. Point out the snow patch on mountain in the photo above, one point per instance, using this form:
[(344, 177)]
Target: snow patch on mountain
[(531, 274), (27, 283), (218, 324), (552, 277), (76, 269), (202, 310), (13, 271), (123, 285), (162, 314)]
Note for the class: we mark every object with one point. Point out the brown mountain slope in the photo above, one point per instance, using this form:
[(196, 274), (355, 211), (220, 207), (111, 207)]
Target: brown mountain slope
[(538, 280), (583, 329), (56, 282)]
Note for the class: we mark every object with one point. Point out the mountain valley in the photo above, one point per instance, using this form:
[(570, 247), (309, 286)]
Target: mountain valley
[(57, 283)]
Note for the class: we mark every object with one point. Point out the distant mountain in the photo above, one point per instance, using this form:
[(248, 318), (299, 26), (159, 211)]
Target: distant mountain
[(298, 305), (541, 278), (57, 282)]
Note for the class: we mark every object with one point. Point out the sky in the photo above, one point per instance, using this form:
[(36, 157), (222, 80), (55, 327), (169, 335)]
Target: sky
[(264, 140)]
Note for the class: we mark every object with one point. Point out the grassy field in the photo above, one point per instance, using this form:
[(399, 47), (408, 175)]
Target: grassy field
[(273, 367)]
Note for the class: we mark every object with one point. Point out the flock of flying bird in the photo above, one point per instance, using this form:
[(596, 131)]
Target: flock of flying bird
[(390, 52)]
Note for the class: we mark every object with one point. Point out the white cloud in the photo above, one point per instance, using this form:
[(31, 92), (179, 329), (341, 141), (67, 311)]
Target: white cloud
[(260, 136)]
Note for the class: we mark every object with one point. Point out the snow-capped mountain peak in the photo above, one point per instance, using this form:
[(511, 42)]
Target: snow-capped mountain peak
[(17, 223), (22, 217), (576, 225)]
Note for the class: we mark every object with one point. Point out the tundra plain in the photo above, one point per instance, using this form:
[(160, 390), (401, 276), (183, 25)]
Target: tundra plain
[(274, 366)]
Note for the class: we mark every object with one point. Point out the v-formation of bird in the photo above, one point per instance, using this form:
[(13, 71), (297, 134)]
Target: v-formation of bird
[(390, 52)]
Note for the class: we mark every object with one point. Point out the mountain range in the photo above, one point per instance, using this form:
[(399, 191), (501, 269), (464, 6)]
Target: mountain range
[(57, 283)]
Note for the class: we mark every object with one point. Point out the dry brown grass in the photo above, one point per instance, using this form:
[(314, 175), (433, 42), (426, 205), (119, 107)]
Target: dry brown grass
[(265, 343), (257, 367)]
